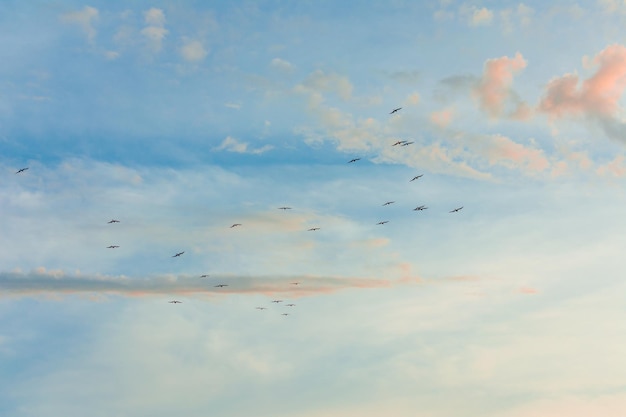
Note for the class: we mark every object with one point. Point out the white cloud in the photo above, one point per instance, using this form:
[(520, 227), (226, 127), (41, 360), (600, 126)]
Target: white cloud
[(155, 31), (233, 145), (481, 17), (282, 65)]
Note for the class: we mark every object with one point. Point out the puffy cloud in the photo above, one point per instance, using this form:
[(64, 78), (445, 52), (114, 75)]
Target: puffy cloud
[(320, 82), (84, 18), (193, 50), (442, 118), (493, 90), (596, 96), (155, 30), (481, 17)]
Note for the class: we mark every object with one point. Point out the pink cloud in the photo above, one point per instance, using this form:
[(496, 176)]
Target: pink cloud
[(504, 151), (615, 168), (442, 118), (597, 96), (528, 290), (493, 90)]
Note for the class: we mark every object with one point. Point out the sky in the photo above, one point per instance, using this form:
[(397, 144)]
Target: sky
[(181, 119)]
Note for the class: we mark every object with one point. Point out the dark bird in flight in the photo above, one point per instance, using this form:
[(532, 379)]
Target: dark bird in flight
[(113, 221), (354, 160), (175, 302), (420, 208), (112, 247), (383, 222), (284, 208), (456, 209), (417, 177), (21, 170), (220, 285), (312, 229), (388, 202), (235, 225), (290, 305), (261, 308), (395, 110), (204, 276), (295, 283), (400, 142), (178, 254), (285, 314), (277, 301), (407, 143)]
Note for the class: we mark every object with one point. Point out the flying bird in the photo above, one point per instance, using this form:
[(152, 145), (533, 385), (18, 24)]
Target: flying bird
[(112, 247), (220, 285), (284, 208), (417, 177), (285, 314), (113, 221), (235, 225), (383, 222), (295, 283), (388, 202), (290, 305), (407, 143), (204, 276), (175, 302), (395, 110), (312, 229), (400, 142), (261, 308), (456, 209), (178, 254), (277, 301), (21, 170), (420, 208), (354, 160)]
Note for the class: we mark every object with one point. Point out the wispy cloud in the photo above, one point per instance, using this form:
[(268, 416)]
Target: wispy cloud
[(154, 32), (84, 18), (42, 282), (233, 145)]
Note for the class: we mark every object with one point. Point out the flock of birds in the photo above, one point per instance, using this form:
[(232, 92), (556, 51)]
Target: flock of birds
[(284, 208)]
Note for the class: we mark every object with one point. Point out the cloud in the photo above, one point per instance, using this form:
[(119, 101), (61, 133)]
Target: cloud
[(481, 17), (51, 282), (282, 65), (155, 31), (321, 82), (615, 168), (84, 19), (501, 150), (442, 118), (597, 96), (193, 50), (233, 145), (493, 90)]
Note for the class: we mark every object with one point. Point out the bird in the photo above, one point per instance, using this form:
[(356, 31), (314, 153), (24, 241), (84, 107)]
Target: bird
[(400, 142), (290, 305), (395, 110), (113, 221), (407, 143), (354, 160), (277, 301), (204, 276), (175, 302), (285, 314), (456, 209), (295, 283), (261, 308), (178, 254), (284, 208), (312, 229), (220, 285), (383, 222), (112, 247), (21, 170), (417, 177), (235, 225), (388, 202), (420, 208)]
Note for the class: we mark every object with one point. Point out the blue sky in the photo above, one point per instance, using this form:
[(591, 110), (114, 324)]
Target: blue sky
[(181, 119)]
